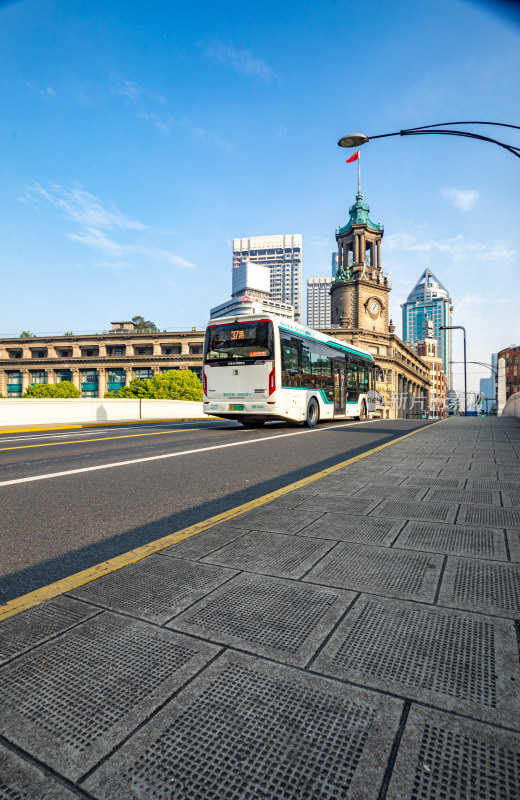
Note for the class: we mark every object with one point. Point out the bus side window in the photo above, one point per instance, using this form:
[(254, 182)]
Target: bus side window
[(307, 378), (351, 376), (290, 362)]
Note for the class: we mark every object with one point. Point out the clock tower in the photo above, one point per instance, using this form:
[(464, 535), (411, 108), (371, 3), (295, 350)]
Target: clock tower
[(359, 293)]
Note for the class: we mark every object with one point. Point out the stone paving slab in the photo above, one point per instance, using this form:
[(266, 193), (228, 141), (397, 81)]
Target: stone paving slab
[(36, 625), (489, 516), (511, 498), (442, 756), (482, 586), (72, 700), (427, 482), (348, 528), (453, 540), (385, 492), (203, 544), (154, 589), (477, 496), (346, 504), (493, 485), (274, 554), (277, 520), (250, 729), (455, 661), (283, 620), (435, 512), (395, 573), (291, 500), (513, 538), (20, 780)]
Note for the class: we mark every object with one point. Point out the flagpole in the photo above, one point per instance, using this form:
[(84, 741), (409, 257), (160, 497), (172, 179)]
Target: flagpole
[(359, 173)]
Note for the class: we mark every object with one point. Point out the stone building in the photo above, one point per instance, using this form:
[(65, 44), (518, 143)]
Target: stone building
[(428, 348), (360, 315), (96, 363)]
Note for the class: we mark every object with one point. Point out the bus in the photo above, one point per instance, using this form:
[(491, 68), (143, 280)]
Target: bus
[(262, 367)]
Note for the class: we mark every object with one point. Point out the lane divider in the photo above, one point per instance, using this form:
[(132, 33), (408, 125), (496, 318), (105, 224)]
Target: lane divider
[(26, 601)]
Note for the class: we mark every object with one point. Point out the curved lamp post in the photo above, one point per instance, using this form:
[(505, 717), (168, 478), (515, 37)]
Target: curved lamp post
[(358, 139), (460, 328)]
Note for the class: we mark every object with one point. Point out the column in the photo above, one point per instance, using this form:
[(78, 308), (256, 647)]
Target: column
[(26, 352), (49, 374), (340, 254), (102, 381), (157, 349), (76, 378), (51, 351), (399, 396), (76, 351), (25, 380), (362, 247), (185, 348), (102, 349), (378, 248)]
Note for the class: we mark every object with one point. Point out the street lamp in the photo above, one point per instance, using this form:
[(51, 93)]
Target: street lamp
[(462, 328), (358, 139)]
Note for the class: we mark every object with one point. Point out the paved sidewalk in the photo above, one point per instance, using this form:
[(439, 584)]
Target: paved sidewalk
[(352, 639)]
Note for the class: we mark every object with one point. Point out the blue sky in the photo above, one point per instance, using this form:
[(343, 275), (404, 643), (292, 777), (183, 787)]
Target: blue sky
[(138, 139)]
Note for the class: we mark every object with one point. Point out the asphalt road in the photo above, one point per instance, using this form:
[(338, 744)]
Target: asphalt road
[(71, 499)]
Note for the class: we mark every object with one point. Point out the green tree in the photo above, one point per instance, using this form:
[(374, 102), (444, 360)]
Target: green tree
[(176, 384), (110, 395), (27, 335), (62, 389), (144, 325)]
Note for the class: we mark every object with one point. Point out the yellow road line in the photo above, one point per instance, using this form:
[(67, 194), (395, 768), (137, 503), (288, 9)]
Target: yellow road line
[(38, 596), (107, 424), (100, 439)]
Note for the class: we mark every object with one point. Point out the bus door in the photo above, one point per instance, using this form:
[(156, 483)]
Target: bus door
[(338, 368)]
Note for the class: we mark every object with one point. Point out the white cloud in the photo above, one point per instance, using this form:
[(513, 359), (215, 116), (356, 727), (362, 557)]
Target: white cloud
[(458, 248), (242, 61), (463, 199), (97, 221)]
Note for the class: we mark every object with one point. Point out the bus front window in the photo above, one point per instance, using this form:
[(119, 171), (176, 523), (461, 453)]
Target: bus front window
[(240, 341)]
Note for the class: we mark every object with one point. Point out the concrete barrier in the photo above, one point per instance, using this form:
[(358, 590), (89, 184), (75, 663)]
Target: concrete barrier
[(512, 407), (34, 411)]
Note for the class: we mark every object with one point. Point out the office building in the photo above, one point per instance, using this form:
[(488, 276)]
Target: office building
[(430, 300), (488, 387), (250, 294), (96, 363), (335, 262), (511, 356), (318, 302), (283, 255)]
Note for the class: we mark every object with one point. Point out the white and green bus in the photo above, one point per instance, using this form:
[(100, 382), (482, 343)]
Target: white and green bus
[(262, 367)]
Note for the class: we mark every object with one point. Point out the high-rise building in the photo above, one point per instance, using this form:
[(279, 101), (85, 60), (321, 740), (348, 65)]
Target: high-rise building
[(250, 294), (429, 300), (335, 262), (318, 302), (283, 255)]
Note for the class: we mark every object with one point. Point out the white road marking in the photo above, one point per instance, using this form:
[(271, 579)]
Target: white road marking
[(177, 455), (97, 432)]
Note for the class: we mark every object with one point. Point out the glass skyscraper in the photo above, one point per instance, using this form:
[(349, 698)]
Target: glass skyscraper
[(429, 299)]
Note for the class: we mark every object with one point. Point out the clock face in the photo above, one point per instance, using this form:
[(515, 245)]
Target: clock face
[(373, 307)]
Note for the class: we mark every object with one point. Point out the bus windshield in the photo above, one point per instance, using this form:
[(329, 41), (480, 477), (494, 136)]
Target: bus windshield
[(239, 341)]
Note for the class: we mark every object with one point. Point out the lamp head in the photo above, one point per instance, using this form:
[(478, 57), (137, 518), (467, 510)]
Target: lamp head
[(353, 140)]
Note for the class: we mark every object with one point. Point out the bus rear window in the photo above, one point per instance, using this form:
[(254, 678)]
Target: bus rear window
[(241, 341)]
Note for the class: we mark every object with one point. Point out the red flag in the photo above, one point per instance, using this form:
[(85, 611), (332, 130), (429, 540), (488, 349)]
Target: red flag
[(355, 157)]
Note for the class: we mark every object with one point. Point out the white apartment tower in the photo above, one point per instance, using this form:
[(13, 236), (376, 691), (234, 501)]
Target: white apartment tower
[(283, 255), (318, 302)]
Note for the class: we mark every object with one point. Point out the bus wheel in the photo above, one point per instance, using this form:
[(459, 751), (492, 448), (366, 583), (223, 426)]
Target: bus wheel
[(312, 414), (252, 423), (363, 411)]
